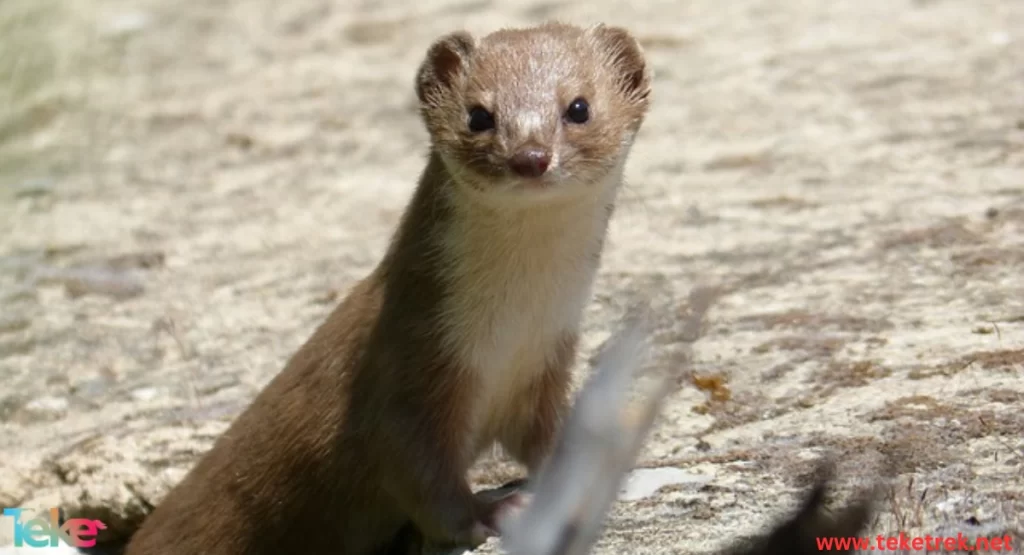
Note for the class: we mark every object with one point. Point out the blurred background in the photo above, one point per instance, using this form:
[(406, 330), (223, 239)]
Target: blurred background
[(187, 188)]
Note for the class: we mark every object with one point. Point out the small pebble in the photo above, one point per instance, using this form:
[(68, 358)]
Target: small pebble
[(644, 482), (1000, 38), (127, 23), (48, 404), (94, 280), (91, 389), (145, 393)]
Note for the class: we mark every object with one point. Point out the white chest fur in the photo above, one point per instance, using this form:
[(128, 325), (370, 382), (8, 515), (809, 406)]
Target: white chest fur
[(519, 280)]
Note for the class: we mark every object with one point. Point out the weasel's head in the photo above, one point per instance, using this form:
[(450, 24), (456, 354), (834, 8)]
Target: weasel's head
[(550, 109)]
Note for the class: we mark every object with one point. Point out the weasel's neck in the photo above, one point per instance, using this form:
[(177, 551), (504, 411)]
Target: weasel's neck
[(518, 276), (529, 222), (441, 215), (542, 237)]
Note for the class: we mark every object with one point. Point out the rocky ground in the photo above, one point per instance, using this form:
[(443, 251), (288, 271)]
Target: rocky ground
[(850, 175)]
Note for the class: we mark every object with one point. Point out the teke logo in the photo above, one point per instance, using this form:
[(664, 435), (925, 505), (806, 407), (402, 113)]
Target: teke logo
[(40, 532)]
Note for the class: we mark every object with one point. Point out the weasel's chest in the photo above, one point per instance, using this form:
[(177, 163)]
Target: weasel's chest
[(516, 286), (509, 308), (513, 326)]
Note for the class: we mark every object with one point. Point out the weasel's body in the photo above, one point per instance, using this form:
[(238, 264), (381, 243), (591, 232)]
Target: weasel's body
[(465, 333)]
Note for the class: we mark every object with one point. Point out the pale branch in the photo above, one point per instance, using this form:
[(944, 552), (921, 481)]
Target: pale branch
[(602, 438)]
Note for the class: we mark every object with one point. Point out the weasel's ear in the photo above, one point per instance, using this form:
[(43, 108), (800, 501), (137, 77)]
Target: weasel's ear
[(446, 59), (627, 57)]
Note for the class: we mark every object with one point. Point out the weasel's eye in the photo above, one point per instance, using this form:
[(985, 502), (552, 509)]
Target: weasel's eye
[(480, 120), (578, 111)]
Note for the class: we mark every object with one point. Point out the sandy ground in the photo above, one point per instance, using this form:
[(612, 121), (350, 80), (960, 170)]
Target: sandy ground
[(850, 173)]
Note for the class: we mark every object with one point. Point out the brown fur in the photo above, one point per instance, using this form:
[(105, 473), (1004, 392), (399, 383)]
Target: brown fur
[(463, 335)]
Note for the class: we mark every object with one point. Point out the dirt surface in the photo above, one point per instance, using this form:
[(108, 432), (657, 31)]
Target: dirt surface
[(851, 174)]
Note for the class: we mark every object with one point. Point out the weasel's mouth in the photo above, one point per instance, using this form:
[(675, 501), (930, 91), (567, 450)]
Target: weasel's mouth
[(547, 188), (552, 177), (533, 183), (546, 183)]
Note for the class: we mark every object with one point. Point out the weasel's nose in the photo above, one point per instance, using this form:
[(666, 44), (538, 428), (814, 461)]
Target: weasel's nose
[(530, 162)]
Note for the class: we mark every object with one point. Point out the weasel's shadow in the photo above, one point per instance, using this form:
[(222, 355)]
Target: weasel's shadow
[(795, 535), (800, 533)]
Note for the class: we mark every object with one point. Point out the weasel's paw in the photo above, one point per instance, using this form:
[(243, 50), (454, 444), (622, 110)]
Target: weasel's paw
[(799, 533), (497, 505), (510, 507), (479, 535)]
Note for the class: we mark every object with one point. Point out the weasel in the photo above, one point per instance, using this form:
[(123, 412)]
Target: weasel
[(465, 333)]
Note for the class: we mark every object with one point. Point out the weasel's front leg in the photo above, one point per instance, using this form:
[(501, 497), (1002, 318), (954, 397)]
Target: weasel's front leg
[(530, 434), (410, 540), (421, 460), (428, 483)]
